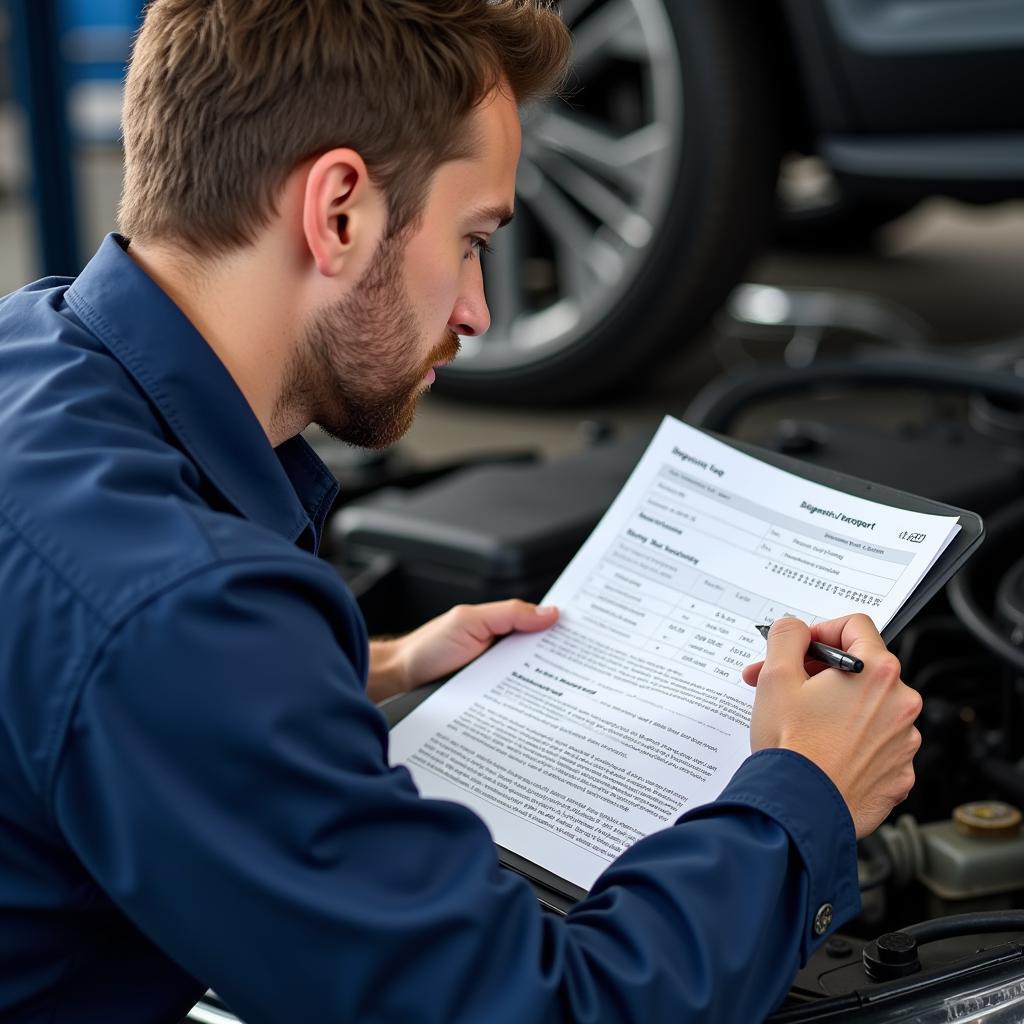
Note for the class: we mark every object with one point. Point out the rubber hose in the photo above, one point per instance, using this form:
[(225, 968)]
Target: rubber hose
[(981, 923), (721, 401), (964, 604)]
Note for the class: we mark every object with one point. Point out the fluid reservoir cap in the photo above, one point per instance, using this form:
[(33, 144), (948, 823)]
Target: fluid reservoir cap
[(897, 948), (893, 955), (987, 818)]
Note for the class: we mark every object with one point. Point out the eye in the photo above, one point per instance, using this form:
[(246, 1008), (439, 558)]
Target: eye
[(477, 245)]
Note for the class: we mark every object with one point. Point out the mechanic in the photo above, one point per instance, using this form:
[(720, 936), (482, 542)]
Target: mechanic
[(194, 779)]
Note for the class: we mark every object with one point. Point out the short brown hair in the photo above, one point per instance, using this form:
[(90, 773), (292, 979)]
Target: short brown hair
[(225, 98)]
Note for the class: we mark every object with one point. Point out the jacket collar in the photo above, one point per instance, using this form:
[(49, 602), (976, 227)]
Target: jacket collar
[(289, 490)]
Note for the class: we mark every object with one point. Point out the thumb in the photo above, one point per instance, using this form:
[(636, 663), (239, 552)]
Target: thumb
[(525, 617), (486, 621), (787, 650)]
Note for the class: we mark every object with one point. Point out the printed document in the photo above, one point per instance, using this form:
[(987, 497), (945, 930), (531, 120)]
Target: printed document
[(574, 743)]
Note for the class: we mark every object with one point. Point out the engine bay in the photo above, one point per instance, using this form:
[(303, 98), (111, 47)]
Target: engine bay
[(941, 930)]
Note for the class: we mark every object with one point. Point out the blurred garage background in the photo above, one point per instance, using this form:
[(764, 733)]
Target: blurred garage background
[(951, 268), (799, 221)]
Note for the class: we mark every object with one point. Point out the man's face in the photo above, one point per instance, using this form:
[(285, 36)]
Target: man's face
[(364, 361)]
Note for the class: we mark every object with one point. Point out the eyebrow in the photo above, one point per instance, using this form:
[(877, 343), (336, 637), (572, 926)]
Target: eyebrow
[(502, 214)]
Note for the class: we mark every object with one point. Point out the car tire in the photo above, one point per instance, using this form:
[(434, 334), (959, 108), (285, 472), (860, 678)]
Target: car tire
[(635, 216)]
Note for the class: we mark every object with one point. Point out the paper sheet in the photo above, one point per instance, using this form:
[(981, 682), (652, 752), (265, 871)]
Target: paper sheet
[(574, 743)]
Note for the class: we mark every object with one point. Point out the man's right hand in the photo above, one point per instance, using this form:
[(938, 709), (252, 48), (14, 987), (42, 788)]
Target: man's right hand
[(858, 728)]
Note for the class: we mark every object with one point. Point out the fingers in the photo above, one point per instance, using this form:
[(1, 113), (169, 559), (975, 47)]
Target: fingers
[(854, 633), (787, 649), (752, 671), (485, 621)]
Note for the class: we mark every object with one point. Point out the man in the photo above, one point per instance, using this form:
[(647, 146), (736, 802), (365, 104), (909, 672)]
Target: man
[(194, 782)]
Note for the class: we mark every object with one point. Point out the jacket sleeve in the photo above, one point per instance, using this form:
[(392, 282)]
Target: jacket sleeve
[(224, 779)]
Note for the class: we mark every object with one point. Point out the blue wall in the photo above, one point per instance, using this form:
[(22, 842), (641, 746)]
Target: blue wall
[(96, 36)]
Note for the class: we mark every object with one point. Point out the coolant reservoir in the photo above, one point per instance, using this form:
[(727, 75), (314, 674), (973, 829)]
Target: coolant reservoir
[(977, 853)]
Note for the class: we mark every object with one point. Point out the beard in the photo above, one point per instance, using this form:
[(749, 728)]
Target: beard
[(355, 372)]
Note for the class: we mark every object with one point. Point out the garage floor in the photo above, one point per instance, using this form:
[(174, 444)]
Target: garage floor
[(958, 268)]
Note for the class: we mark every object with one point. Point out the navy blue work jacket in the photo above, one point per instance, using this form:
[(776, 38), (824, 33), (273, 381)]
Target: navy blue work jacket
[(194, 786)]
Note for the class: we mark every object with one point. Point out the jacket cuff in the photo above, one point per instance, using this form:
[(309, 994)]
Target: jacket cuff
[(803, 800)]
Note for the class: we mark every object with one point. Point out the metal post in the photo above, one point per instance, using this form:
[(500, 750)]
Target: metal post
[(39, 85)]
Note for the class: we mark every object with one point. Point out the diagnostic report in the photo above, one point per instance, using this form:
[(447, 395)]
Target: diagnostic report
[(573, 743)]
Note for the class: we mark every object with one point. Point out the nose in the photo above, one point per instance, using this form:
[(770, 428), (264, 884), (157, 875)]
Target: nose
[(470, 315)]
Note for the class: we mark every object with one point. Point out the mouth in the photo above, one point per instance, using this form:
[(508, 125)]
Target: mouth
[(448, 352), (431, 375)]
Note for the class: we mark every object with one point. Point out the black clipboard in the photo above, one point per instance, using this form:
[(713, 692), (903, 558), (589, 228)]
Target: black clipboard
[(559, 895)]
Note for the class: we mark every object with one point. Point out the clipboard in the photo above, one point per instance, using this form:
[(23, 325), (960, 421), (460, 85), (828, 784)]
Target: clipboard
[(558, 895)]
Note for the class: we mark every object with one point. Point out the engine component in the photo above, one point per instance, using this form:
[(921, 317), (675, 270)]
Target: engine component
[(481, 534), (975, 858), (893, 955)]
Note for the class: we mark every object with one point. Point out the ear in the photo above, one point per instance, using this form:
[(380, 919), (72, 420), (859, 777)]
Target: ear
[(343, 213)]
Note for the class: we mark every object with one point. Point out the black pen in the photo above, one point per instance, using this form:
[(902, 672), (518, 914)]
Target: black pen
[(831, 656)]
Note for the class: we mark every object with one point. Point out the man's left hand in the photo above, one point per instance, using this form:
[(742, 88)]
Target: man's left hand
[(447, 643)]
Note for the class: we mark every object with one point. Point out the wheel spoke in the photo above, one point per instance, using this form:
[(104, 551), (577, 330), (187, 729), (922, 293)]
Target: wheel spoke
[(625, 161), (591, 193), (587, 263), (612, 30), (570, 10)]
